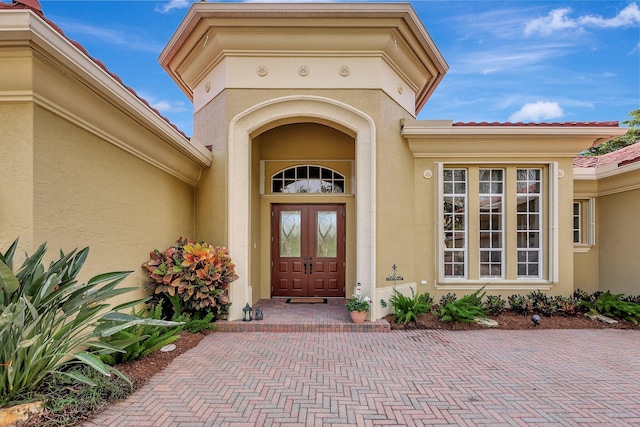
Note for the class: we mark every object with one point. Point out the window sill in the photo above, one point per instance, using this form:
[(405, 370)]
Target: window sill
[(581, 248), (496, 285)]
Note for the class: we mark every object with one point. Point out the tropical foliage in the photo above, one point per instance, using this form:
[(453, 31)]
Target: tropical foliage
[(48, 319), (614, 306), (410, 308), (631, 137), (140, 340), (466, 309), (199, 273)]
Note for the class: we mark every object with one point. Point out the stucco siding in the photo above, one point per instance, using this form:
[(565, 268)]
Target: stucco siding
[(16, 174), (88, 192), (618, 226), (395, 204)]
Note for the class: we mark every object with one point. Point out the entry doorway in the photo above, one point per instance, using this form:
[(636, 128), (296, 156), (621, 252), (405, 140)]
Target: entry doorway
[(308, 250)]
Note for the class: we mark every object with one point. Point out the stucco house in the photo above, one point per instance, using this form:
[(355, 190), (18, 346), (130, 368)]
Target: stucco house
[(307, 161)]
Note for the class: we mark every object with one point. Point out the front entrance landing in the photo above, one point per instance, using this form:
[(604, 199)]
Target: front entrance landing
[(282, 317)]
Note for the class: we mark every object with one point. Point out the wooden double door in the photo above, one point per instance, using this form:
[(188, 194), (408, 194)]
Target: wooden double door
[(308, 250)]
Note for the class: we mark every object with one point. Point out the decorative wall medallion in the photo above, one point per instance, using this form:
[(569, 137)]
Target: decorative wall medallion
[(400, 88), (207, 87), (262, 70), (303, 70), (560, 173), (344, 71), (427, 173)]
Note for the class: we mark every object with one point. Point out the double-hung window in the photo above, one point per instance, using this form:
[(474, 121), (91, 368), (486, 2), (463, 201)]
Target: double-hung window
[(493, 223)]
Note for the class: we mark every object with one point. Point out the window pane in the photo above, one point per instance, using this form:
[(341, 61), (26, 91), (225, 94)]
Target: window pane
[(491, 208), (577, 218), (326, 234), (290, 234), (308, 179), (529, 222), (454, 204)]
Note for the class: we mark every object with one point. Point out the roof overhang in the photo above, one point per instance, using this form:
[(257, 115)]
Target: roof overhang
[(211, 32), (24, 28), (440, 138)]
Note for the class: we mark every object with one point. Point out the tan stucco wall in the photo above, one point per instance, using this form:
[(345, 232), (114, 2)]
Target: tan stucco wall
[(618, 227), (89, 193), (16, 150), (72, 179), (16, 173), (396, 199)]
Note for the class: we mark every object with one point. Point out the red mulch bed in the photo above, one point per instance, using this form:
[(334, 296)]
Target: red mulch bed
[(509, 320), (139, 371)]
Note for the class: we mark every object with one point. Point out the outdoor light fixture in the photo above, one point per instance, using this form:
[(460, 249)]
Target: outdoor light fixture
[(248, 311)]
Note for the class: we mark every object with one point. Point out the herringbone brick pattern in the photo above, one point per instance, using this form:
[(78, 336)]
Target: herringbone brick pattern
[(415, 378)]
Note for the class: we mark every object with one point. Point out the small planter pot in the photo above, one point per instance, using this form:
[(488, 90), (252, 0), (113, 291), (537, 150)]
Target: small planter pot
[(358, 316)]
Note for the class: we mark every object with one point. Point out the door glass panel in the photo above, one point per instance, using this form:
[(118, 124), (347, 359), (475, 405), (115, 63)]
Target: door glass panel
[(326, 234), (290, 234)]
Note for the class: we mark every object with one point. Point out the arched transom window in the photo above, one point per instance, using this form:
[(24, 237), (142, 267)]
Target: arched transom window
[(307, 179)]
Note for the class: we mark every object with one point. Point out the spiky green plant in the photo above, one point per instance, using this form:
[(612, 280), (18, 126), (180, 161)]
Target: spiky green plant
[(466, 309), (48, 319), (614, 306), (410, 308), (141, 339)]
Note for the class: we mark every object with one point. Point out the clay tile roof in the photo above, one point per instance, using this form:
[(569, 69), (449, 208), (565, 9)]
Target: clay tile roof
[(624, 156), (24, 4), (34, 5), (553, 124)]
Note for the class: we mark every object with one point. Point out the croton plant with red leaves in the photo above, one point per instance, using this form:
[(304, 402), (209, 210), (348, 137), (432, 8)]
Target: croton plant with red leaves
[(197, 272)]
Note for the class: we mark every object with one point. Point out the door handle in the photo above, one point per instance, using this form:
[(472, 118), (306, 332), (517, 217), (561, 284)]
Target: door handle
[(310, 265), (305, 265)]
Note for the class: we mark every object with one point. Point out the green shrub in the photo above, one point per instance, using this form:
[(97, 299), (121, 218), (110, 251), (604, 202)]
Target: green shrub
[(197, 272), (466, 309), (47, 319), (447, 299), (567, 306), (495, 304), (614, 306), (173, 307), (410, 308), (140, 340), (541, 303), (519, 304)]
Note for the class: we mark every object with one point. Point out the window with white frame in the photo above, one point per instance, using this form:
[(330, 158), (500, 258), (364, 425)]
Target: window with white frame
[(577, 222), (584, 212), (454, 182), (308, 179), (493, 221)]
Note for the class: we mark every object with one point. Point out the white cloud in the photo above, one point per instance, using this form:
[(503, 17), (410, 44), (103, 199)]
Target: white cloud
[(556, 20), (629, 16), (560, 19), (536, 111), (173, 4)]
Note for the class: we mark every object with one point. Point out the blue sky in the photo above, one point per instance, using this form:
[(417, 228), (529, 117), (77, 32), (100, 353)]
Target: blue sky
[(514, 60)]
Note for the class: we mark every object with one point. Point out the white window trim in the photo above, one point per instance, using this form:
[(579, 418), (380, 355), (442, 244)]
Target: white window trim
[(552, 245), (502, 226), (589, 203)]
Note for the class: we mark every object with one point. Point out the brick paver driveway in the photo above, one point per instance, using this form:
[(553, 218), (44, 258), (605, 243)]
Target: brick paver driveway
[(538, 377)]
